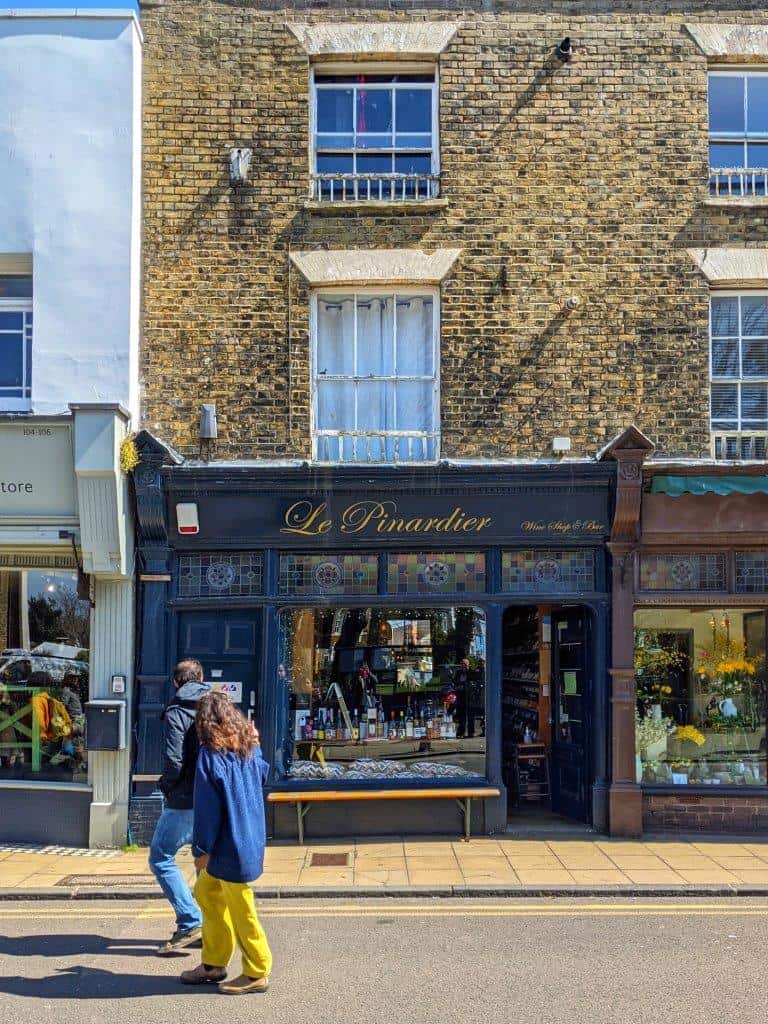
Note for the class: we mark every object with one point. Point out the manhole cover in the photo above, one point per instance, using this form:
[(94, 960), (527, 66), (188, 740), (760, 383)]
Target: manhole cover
[(108, 880), (329, 860)]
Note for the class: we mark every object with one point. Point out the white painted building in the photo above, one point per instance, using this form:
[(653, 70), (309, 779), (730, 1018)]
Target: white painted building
[(70, 208)]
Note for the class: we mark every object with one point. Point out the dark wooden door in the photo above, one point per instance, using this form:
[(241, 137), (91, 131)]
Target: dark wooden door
[(571, 699), (228, 645)]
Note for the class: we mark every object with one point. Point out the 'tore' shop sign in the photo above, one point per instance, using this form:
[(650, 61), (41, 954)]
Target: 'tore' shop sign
[(37, 472), (469, 519)]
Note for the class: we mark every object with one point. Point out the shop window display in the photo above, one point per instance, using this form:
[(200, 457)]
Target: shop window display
[(701, 696), (375, 694), (44, 663)]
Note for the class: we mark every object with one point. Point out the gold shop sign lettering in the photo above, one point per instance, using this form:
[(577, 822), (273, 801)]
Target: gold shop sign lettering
[(562, 526), (310, 519)]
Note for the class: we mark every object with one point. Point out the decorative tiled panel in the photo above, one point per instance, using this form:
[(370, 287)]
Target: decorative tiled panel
[(751, 572), (683, 572), (551, 571), (328, 574), (462, 573), (221, 574)]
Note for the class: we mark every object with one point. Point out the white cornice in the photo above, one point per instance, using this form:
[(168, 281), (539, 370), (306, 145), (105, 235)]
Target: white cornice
[(374, 266), (731, 42), (732, 266), (398, 40)]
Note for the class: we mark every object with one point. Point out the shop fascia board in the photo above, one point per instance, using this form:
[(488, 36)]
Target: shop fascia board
[(102, 491), (731, 44), (396, 40), (732, 268), (365, 267)]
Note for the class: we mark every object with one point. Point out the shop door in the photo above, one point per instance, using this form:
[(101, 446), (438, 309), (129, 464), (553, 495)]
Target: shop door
[(227, 644), (570, 711)]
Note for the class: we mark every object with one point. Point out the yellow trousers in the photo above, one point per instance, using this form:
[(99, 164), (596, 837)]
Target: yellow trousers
[(229, 919)]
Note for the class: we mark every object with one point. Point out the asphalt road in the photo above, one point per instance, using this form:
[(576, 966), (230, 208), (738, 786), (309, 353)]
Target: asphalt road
[(411, 961)]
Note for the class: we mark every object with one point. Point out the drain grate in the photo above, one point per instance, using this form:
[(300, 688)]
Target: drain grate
[(329, 860), (119, 881)]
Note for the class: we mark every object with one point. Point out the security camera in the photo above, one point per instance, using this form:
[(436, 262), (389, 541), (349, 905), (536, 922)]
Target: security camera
[(573, 302), (565, 50)]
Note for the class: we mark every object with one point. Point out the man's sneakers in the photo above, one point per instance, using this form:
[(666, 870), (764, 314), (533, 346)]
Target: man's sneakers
[(243, 985), (181, 941), (203, 974)]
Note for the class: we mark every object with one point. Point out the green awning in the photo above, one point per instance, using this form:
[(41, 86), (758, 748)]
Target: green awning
[(674, 486)]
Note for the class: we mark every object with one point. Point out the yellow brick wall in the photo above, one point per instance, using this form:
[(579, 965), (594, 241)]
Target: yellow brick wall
[(587, 179)]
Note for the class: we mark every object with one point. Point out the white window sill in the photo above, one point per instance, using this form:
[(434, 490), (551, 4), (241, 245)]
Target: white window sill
[(366, 206), (742, 201)]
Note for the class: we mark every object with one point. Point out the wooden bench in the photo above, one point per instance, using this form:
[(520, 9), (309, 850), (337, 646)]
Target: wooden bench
[(305, 798)]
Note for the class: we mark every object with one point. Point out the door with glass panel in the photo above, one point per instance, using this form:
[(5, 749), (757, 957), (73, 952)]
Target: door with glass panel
[(571, 714), (228, 646)]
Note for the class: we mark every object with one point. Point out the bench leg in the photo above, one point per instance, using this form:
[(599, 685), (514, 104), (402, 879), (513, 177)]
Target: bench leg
[(465, 806), (301, 812)]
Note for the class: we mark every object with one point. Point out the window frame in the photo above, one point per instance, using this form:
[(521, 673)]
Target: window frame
[(381, 68), (745, 137), (356, 291), (23, 306), (739, 380)]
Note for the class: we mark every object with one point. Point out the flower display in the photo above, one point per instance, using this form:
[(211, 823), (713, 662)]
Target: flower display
[(690, 734), (649, 730)]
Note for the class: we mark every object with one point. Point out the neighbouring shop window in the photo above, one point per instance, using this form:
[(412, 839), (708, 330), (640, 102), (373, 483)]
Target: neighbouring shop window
[(44, 665), (739, 361), (701, 696), (15, 342), (375, 377), (329, 574), (221, 574), (549, 570), (460, 573), (683, 572), (383, 694)]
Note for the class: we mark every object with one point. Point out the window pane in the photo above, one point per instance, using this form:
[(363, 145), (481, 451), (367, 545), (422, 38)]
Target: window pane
[(726, 103), (701, 683), (413, 141), (11, 321), (44, 677), (388, 694), (375, 335), (757, 156), (724, 401), (754, 315), (379, 164), (725, 358), (726, 154), (754, 402), (335, 163), (335, 141), (373, 141), (334, 110), (11, 361), (335, 405), (415, 350), (375, 405), (413, 164), (14, 286), (414, 110), (755, 359), (374, 111), (757, 104), (725, 317), (414, 405), (335, 335)]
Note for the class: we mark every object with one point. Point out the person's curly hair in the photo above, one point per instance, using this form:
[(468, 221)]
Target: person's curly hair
[(221, 727)]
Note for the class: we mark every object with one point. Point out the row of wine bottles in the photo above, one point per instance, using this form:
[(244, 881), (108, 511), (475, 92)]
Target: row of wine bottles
[(424, 722)]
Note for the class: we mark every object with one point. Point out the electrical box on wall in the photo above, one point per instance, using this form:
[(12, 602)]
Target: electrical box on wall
[(105, 722)]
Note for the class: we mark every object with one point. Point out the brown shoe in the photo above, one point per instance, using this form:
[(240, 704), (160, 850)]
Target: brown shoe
[(203, 975), (181, 941), (243, 985)]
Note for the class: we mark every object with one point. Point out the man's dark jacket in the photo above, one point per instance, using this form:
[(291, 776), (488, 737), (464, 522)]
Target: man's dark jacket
[(181, 746)]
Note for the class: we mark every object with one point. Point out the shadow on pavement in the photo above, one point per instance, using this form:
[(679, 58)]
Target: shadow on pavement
[(71, 945), (93, 983)]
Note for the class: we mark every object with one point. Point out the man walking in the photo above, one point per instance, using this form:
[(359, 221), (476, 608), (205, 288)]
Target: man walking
[(174, 827)]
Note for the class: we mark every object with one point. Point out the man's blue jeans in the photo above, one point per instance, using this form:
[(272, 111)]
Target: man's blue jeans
[(174, 830)]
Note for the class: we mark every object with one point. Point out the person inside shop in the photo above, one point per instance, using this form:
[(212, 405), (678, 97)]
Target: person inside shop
[(360, 688), (228, 840), (174, 827), (462, 681)]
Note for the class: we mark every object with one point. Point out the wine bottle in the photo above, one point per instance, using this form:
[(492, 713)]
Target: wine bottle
[(409, 720), (401, 726), (393, 726), (363, 727), (321, 724), (355, 727)]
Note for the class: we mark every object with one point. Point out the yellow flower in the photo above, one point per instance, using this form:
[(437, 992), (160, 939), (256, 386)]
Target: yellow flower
[(690, 733)]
